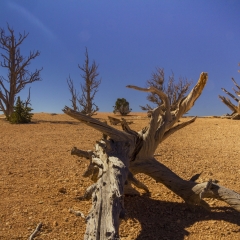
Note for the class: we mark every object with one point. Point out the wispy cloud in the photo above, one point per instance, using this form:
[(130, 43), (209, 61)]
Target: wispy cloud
[(33, 19)]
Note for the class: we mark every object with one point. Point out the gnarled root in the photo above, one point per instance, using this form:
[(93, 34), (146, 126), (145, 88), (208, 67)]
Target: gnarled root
[(190, 191)]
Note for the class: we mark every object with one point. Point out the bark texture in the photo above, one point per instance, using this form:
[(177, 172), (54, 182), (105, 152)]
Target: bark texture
[(122, 154)]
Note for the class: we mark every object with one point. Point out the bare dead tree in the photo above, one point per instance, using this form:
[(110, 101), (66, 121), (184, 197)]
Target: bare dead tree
[(16, 65), (174, 91), (234, 108), (119, 155), (90, 86), (74, 94)]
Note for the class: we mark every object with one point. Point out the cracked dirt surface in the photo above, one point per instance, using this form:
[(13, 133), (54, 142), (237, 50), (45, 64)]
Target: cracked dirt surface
[(40, 180)]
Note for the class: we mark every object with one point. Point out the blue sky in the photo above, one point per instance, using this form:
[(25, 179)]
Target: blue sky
[(128, 40)]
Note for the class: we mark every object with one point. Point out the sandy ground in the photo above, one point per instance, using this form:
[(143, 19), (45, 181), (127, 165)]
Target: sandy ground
[(39, 180)]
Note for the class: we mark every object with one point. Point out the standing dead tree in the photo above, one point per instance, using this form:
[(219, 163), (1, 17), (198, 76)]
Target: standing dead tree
[(17, 67), (234, 108), (89, 88), (174, 91), (119, 155), (74, 94)]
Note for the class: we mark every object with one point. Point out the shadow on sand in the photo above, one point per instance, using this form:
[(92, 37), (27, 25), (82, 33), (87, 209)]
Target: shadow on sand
[(168, 220), (55, 122)]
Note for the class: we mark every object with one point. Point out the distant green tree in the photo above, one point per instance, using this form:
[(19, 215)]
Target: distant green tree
[(122, 107), (21, 113)]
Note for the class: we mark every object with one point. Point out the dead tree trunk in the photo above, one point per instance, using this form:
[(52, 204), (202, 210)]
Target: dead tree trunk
[(17, 67), (234, 108), (121, 154)]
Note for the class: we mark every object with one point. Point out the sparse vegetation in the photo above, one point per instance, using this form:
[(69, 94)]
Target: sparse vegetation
[(122, 107), (21, 113)]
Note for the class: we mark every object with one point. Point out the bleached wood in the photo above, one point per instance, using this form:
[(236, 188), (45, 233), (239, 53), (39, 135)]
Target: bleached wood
[(227, 102), (107, 197), (189, 191), (234, 108), (126, 153), (96, 124), (37, 229), (230, 94)]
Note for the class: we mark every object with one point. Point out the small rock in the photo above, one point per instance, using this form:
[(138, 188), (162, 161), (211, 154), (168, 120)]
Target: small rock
[(55, 223), (63, 190)]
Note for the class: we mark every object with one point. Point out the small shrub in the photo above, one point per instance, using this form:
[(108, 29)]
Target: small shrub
[(21, 113), (122, 106)]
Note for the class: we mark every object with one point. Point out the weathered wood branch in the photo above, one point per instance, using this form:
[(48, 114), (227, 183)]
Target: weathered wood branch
[(190, 191), (100, 126), (177, 127), (33, 235), (160, 122), (235, 108), (230, 94), (92, 170), (238, 87), (107, 195), (116, 160), (137, 183), (187, 103), (219, 192), (81, 153), (227, 102)]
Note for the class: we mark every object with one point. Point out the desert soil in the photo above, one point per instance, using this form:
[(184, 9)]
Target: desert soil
[(40, 180)]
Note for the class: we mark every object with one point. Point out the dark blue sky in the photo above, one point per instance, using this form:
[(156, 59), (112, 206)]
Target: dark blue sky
[(128, 39)]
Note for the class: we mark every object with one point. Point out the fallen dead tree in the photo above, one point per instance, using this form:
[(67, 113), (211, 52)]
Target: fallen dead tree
[(234, 108), (119, 155)]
